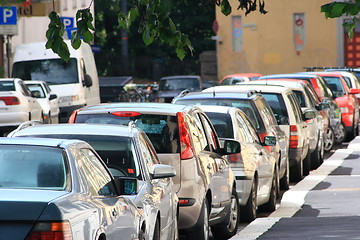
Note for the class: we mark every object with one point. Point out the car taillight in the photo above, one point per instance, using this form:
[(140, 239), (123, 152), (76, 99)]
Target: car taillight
[(126, 114), (51, 231), (10, 100), (186, 150), (234, 158), (294, 138), (72, 118)]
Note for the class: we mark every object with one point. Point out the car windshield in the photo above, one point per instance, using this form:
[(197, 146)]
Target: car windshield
[(161, 129), (37, 87), (243, 105), (117, 152), (6, 86), (32, 167), (222, 123), (52, 71), (179, 84), (334, 84), (277, 104)]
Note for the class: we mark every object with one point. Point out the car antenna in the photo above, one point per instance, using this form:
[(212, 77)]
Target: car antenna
[(213, 92)]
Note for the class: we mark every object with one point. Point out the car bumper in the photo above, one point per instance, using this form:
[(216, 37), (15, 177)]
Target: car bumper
[(9, 119)]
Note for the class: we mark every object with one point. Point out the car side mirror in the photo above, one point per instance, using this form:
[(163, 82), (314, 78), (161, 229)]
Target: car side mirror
[(269, 141), (323, 106), (52, 96), (35, 93), (231, 146), (162, 171), (126, 185), (309, 114), (354, 91), (87, 80)]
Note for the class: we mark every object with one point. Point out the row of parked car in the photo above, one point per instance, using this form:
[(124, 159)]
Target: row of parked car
[(202, 163)]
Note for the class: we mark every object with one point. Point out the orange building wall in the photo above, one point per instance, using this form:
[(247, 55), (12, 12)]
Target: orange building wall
[(269, 47)]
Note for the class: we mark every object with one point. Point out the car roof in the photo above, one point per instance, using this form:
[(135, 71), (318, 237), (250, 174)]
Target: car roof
[(83, 129), (218, 109), (290, 75), (37, 141), (217, 94), (159, 108), (290, 83), (34, 81), (248, 87)]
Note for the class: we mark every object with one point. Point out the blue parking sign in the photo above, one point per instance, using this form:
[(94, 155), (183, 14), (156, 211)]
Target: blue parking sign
[(8, 15)]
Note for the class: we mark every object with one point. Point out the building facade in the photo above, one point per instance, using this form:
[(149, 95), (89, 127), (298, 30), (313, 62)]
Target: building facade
[(292, 35)]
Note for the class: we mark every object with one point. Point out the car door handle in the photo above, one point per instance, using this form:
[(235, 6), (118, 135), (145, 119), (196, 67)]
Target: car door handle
[(114, 212), (209, 166)]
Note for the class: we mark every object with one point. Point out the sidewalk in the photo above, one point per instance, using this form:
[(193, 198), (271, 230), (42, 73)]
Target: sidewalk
[(293, 202)]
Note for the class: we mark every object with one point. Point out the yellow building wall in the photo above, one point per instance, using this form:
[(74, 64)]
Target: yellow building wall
[(268, 40)]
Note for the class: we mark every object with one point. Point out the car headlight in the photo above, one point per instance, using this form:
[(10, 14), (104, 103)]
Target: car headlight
[(68, 99), (344, 109)]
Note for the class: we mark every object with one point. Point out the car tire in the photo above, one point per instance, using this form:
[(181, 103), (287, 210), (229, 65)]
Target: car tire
[(229, 228), (296, 172), (307, 163), (285, 180), (329, 140), (248, 212), (340, 134), (201, 231), (270, 206), (156, 235)]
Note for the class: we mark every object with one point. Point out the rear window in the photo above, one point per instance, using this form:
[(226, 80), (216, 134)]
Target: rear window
[(30, 167), (277, 105), (7, 86), (179, 84), (334, 84), (222, 124), (161, 129), (243, 105)]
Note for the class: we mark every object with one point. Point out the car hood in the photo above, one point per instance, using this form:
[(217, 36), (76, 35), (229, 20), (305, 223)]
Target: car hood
[(25, 205)]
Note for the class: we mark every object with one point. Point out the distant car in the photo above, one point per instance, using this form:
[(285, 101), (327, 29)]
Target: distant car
[(47, 100), (17, 104), (232, 79), (346, 100), (184, 137), (127, 152), (261, 116), (254, 185), (61, 189), (171, 86)]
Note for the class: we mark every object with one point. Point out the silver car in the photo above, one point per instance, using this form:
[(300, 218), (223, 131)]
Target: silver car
[(62, 189), (127, 152)]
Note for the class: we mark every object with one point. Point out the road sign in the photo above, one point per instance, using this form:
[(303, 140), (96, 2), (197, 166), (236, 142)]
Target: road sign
[(8, 21), (68, 22)]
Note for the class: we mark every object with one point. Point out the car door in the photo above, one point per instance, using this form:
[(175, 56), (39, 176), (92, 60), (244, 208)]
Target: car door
[(109, 211), (162, 193), (53, 101), (221, 179), (34, 106)]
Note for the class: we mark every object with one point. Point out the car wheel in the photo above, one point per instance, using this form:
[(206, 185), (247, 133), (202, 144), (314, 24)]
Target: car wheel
[(307, 163), (156, 235), (340, 134), (229, 228), (248, 212), (329, 140), (270, 206), (296, 172), (202, 230), (285, 180)]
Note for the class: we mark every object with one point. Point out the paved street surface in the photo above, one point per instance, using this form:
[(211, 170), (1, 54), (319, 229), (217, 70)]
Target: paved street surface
[(324, 205)]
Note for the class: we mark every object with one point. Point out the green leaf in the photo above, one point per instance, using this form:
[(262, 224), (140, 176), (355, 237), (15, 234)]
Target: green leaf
[(75, 40), (225, 7), (88, 36), (133, 14), (180, 52), (336, 9), (148, 37)]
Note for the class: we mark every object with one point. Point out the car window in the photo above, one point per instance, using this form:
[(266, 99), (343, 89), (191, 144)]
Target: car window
[(98, 179), (179, 84), (324, 87), (7, 86), (37, 87), (148, 151), (300, 97), (246, 128), (162, 130), (227, 81), (265, 111), (222, 124), (334, 84), (24, 89), (278, 106), (348, 81), (212, 139), (198, 133), (295, 106), (33, 167)]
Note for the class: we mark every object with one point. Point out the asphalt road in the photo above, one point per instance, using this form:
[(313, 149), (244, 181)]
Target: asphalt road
[(324, 205)]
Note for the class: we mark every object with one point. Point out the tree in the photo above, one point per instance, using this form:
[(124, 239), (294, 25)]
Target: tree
[(154, 23)]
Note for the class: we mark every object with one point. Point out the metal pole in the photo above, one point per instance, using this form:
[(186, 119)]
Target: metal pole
[(124, 43), (8, 53)]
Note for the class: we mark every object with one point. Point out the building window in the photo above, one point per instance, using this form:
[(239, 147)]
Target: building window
[(299, 31), (237, 33), (83, 3), (65, 4), (74, 4)]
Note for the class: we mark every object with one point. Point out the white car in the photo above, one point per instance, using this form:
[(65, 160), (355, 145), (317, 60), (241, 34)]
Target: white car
[(47, 100), (17, 104)]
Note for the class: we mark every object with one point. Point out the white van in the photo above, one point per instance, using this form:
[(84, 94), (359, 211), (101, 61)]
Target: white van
[(75, 82)]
